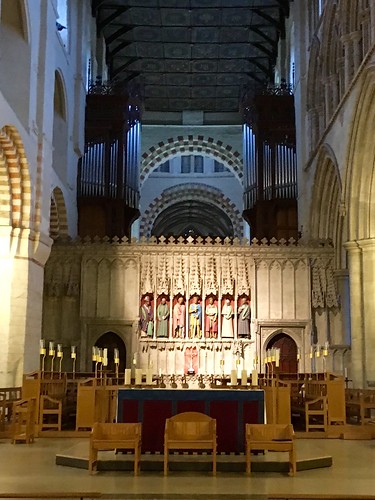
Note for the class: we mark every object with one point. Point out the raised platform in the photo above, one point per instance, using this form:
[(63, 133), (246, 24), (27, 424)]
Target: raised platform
[(77, 457)]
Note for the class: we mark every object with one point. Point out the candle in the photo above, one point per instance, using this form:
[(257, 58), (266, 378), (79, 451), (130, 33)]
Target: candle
[(128, 376), (59, 351), (138, 376), (116, 356), (73, 352), (233, 377), (244, 377), (149, 376), (42, 347), (254, 378), (105, 357), (346, 372), (51, 349), (277, 358)]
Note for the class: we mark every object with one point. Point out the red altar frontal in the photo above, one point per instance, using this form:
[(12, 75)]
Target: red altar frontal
[(232, 409)]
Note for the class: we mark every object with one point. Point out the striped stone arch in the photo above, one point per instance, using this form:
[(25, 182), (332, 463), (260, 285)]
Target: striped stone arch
[(189, 192), (190, 144), (58, 223), (15, 184)]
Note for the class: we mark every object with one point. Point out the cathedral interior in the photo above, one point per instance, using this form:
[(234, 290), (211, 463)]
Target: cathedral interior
[(186, 198)]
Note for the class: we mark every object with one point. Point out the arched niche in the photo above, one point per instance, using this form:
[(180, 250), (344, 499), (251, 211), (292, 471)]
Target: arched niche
[(288, 352), (60, 128), (112, 341)]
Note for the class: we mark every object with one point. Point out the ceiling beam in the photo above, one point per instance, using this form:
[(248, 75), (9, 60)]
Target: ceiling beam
[(266, 70), (123, 67), (255, 77), (271, 20), (269, 53), (118, 48), (121, 31), (267, 38), (102, 21)]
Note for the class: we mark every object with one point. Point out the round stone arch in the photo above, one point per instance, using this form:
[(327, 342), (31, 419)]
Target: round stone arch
[(188, 192), (280, 337), (326, 221), (359, 182), (15, 184), (187, 145), (58, 225)]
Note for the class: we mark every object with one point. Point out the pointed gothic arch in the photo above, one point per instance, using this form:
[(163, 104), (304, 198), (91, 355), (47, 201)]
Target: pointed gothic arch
[(360, 171), (326, 221)]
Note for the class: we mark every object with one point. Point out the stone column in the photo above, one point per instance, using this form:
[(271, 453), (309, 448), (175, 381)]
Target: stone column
[(22, 258), (357, 370), (368, 284), (356, 37), (347, 43)]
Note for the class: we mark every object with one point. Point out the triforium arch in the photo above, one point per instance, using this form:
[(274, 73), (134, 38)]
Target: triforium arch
[(326, 221), (191, 192), (58, 226), (15, 185), (191, 144)]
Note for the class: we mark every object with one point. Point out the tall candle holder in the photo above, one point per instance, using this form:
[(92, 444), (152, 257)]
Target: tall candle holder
[(60, 356), (95, 356), (52, 353), (100, 362), (42, 352), (73, 357), (116, 358)]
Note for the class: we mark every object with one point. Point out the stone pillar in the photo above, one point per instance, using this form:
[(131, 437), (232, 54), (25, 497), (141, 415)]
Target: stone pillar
[(347, 43), (368, 284), (22, 258), (356, 37), (342, 277), (357, 370)]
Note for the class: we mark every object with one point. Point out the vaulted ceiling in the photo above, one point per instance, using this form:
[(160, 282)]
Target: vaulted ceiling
[(191, 54)]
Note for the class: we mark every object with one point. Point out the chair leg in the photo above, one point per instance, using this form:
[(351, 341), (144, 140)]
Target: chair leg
[(292, 460), (248, 464), (136, 460), (93, 460), (165, 460), (214, 461)]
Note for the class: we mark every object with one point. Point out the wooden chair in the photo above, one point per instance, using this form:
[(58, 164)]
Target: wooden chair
[(23, 421), (271, 437), (106, 437), (190, 431), (50, 413)]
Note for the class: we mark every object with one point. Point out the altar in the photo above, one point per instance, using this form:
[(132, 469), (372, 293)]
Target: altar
[(232, 409)]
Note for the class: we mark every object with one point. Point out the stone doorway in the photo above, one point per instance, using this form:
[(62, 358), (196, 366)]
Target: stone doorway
[(288, 353), (112, 341)]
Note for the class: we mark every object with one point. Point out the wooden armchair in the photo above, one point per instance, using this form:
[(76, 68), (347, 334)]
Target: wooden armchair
[(50, 413), (106, 437), (190, 431), (271, 437), (23, 421)]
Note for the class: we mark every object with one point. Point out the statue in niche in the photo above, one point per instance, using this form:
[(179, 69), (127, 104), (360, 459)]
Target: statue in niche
[(211, 319), (162, 316), (195, 318), (244, 315), (146, 318), (227, 319), (179, 310)]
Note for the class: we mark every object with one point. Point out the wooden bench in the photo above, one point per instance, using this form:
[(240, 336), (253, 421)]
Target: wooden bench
[(105, 437), (359, 403), (270, 437), (190, 431)]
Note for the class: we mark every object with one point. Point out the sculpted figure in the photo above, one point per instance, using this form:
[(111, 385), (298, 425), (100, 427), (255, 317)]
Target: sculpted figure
[(211, 319), (179, 310)]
